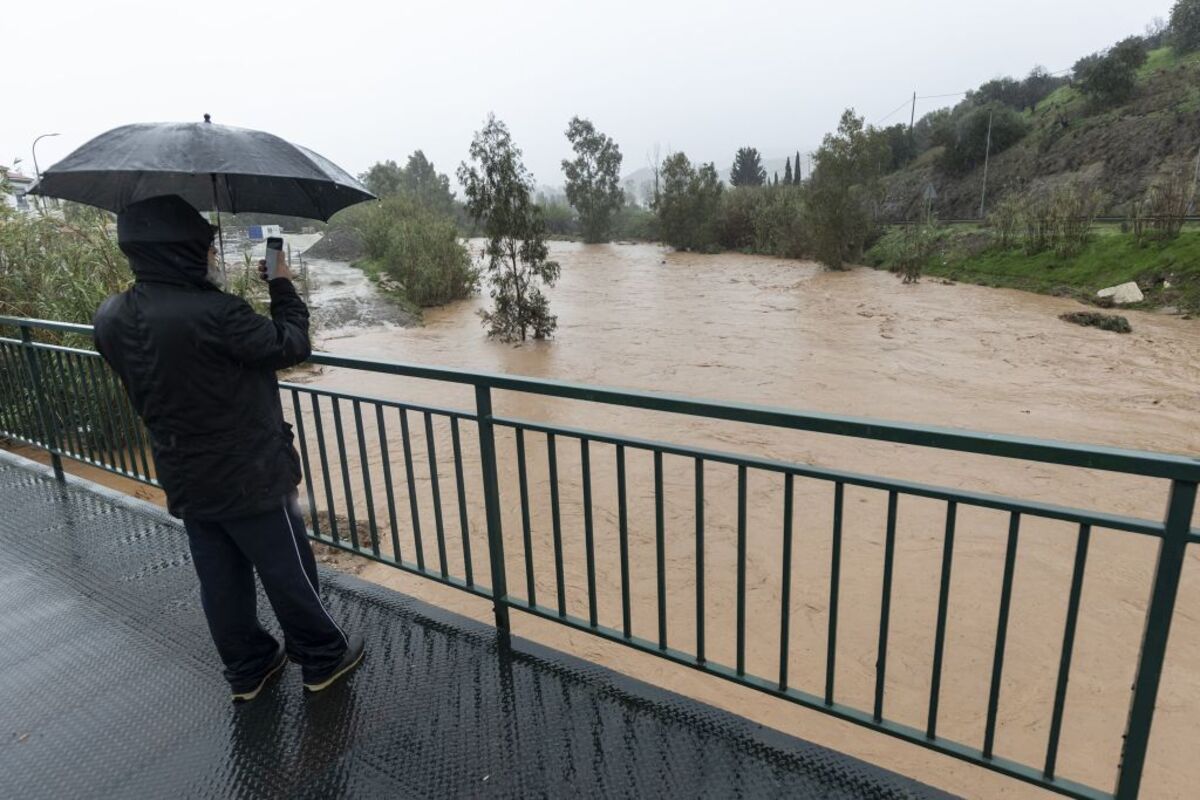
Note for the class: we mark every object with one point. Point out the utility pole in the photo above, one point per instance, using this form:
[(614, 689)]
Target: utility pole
[(987, 151), (912, 117)]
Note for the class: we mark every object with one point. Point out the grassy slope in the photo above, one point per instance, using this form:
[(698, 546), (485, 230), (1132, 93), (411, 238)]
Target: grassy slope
[(1109, 258)]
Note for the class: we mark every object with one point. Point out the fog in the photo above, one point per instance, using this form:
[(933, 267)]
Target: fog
[(361, 82)]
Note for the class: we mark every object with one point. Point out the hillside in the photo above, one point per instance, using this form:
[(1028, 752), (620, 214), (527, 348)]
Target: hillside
[(1121, 149)]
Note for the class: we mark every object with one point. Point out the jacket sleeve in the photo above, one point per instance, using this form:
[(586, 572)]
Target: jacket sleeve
[(276, 342)]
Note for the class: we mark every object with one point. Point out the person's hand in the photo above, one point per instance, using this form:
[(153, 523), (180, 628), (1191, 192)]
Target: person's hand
[(283, 271)]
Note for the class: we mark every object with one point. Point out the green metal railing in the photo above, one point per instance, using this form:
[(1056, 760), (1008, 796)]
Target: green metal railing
[(65, 400)]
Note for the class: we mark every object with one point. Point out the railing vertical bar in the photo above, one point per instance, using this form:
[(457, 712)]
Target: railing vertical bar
[(117, 459), (60, 407), (330, 510), (741, 571), (340, 437), (1010, 563), (385, 458), (939, 637), (32, 416), (556, 524), (623, 543), (461, 485), (9, 417), (50, 435), (298, 415), (124, 410), (1064, 666), (885, 606), (140, 441), (368, 489), (835, 571), (660, 550), (89, 435), (70, 432), (785, 599), (588, 534), (491, 489), (8, 411), (526, 532), (412, 489), (700, 657), (1171, 553), (105, 409), (439, 525), (24, 405)]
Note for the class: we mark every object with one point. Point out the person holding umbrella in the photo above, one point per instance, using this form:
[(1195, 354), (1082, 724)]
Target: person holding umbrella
[(199, 367)]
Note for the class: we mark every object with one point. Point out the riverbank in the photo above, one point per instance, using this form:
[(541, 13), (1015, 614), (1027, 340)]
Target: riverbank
[(1167, 273)]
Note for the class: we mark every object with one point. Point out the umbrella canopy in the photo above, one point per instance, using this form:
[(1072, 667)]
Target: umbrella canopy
[(213, 167)]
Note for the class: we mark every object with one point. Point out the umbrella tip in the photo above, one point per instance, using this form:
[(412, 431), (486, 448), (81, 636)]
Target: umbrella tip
[(208, 117)]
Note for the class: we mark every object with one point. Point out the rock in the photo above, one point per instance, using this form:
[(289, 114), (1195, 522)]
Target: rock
[(1123, 293)]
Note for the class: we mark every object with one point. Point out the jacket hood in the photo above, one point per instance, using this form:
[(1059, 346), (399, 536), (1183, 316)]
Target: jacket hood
[(166, 241)]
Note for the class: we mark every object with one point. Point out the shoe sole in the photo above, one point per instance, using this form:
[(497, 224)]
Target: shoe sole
[(312, 688), (246, 697)]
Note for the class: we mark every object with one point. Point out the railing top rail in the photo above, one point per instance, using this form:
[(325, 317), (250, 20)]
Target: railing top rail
[(1136, 462)]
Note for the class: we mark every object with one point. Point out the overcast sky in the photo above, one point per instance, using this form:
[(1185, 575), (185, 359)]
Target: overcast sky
[(365, 81)]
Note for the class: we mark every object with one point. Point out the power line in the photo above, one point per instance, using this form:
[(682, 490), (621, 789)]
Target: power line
[(939, 96), (892, 112)]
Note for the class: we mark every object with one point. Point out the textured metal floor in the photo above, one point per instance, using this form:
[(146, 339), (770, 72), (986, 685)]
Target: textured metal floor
[(109, 687)]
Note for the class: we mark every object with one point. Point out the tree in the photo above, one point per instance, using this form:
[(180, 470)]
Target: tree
[(428, 186), (776, 183), (383, 179), (1185, 25), (689, 204), (843, 188), (593, 179), (747, 169), (998, 90), (787, 172), (1109, 78), (796, 176), (417, 178), (967, 148), (498, 190), (901, 148)]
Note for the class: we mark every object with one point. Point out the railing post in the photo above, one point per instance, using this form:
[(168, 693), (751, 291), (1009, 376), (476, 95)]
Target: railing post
[(1171, 552), (49, 429), (491, 496)]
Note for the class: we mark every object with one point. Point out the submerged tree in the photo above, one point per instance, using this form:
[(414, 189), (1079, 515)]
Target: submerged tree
[(498, 190), (688, 206), (593, 179), (747, 169)]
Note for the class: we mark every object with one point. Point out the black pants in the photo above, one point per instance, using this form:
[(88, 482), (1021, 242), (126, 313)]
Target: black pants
[(226, 554)]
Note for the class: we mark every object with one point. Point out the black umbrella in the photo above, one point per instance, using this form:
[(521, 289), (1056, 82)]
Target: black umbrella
[(213, 167)]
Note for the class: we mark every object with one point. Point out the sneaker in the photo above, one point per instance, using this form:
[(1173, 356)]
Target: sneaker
[(272, 671), (352, 658)]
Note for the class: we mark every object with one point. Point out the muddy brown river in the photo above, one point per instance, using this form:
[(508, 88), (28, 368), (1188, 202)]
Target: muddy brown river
[(786, 333)]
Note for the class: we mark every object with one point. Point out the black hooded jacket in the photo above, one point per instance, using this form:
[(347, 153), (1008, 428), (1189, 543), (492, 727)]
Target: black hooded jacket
[(199, 366)]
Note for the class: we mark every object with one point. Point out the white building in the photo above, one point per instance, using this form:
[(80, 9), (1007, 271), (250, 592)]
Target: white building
[(14, 188)]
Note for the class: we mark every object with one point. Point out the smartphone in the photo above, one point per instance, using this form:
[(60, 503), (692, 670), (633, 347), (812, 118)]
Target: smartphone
[(274, 256)]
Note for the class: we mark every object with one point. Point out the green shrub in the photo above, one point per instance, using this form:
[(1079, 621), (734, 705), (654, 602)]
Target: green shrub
[(419, 249)]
